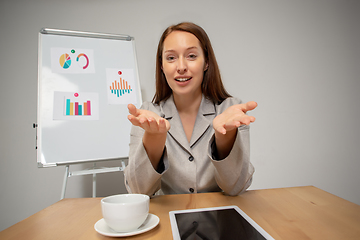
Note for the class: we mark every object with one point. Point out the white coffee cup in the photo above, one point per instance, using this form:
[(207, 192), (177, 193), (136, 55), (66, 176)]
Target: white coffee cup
[(125, 212)]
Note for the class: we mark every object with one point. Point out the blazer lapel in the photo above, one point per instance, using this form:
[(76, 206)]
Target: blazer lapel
[(203, 121), (176, 129)]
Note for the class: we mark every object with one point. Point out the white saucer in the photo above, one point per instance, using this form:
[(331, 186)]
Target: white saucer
[(150, 222)]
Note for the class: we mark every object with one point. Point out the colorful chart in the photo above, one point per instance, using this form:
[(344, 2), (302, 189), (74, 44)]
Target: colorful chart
[(120, 87), (65, 61), (86, 57), (76, 109)]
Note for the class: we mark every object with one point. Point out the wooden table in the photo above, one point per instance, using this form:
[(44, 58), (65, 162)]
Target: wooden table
[(285, 213)]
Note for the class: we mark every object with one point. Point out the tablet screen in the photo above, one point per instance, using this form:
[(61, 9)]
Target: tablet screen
[(216, 223)]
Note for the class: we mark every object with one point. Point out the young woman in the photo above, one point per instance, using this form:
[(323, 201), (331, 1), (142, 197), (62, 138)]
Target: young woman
[(193, 137)]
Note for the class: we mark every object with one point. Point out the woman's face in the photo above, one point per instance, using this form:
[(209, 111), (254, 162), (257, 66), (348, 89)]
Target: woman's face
[(183, 63)]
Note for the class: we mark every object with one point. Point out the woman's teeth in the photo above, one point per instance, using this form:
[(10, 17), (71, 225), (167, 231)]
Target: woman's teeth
[(182, 79)]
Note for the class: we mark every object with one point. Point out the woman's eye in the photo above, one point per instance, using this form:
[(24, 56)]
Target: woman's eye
[(192, 56), (170, 58)]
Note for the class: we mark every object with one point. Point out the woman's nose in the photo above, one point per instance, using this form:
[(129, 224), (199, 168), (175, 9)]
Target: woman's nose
[(182, 67)]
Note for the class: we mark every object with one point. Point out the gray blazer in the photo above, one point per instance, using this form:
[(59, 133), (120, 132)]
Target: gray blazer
[(190, 167)]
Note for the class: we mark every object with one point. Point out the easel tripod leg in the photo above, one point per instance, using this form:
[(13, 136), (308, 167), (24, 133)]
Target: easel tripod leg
[(65, 182), (94, 183)]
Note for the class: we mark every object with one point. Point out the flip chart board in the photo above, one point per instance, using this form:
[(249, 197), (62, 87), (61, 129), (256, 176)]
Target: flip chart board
[(85, 81)]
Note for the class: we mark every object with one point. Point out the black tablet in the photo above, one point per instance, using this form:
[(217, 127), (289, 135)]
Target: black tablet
[(217, 223)]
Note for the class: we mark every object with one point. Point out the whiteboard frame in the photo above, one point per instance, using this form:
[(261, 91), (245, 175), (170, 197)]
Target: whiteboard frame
[(52, 31)]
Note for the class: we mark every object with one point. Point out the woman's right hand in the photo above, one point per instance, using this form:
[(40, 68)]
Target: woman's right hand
[(148, 120)]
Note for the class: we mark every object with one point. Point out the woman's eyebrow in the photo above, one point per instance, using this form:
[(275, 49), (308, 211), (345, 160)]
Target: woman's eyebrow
[(166, 51), (189, 48), (194, 47)]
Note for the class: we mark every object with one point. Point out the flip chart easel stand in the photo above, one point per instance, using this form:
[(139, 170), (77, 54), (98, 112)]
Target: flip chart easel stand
[(60, 137), (92, 171)]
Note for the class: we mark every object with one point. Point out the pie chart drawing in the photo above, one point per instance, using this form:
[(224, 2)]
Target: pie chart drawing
[(65, 61)]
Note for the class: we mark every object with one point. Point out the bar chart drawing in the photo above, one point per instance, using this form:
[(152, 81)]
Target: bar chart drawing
[(120, 87), (77, 109), (76, 106)]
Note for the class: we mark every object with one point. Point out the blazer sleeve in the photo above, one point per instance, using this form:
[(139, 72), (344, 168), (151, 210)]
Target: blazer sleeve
[(233, 174), (139, 175)]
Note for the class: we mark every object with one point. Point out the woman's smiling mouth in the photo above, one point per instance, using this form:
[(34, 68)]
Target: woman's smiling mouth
[(183, 79)]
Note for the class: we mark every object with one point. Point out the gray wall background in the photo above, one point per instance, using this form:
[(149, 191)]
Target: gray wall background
[(300, 60)]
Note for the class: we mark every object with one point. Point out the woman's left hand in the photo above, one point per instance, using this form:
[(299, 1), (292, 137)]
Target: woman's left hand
[(233, 117)]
